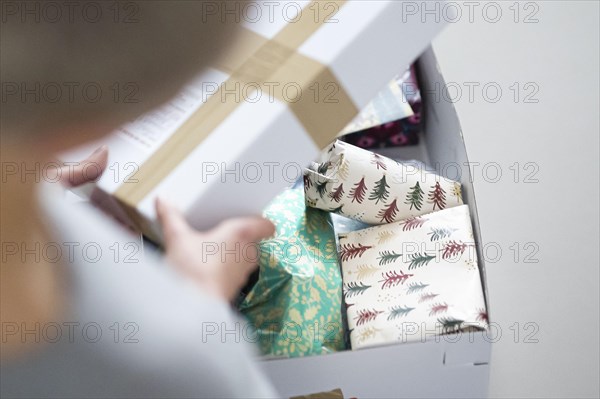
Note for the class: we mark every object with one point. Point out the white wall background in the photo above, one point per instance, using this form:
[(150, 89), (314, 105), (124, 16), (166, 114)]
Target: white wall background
[(559, 214)]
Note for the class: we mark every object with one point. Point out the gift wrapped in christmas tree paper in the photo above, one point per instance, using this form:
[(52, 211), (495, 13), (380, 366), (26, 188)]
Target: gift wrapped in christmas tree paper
[(295, 306), (365, 186), (409, 280)]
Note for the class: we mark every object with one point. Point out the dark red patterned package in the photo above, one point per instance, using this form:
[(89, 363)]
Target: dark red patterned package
[(397, 133)]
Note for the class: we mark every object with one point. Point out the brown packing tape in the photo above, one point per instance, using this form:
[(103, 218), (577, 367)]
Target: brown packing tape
[(333, 109), (322, 95), (258, 61)]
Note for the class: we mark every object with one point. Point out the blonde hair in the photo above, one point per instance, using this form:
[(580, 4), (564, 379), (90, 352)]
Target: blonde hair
[(75, 63)]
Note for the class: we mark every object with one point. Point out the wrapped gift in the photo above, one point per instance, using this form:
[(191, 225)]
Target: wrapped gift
[(365, 186), (296, 76), (389, 105), (412, 92), (295, 307), (392, 134), (409, 280), (398, 125)]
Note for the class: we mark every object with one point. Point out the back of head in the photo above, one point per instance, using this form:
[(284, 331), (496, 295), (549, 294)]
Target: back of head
[(79, 63)]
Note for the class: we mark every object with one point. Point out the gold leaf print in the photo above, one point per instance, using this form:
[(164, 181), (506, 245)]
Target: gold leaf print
[(364, 271), (344, 169), (311, 312), (295, 316), (315, 295), (320, 282), (384, 236), (457, 192)]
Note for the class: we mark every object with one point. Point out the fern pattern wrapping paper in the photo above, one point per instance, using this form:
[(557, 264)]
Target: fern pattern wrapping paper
[(408, 280), (295, 307), (365, 186)]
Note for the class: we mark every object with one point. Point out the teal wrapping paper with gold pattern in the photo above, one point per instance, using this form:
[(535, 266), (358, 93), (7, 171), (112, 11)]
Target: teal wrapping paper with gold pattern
[(295, 306)]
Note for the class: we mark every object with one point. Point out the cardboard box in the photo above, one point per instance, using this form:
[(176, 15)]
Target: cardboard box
[(443, 366), (243, 131)]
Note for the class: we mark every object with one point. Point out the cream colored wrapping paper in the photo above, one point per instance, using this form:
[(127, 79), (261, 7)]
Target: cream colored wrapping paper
[(412, 280), (365, 186)]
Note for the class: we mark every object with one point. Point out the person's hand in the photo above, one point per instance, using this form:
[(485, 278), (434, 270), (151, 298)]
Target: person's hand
[(219, 260), (86, 171)]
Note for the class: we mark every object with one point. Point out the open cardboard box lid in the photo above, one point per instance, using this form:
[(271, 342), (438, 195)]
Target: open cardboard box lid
[(349, 43)]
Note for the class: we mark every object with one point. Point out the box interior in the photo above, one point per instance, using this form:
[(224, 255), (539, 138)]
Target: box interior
[(459, 365)]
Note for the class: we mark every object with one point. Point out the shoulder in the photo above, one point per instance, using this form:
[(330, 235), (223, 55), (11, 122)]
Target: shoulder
[(137, 325)]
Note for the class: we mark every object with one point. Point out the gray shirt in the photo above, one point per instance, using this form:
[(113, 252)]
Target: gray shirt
[(134, 328)]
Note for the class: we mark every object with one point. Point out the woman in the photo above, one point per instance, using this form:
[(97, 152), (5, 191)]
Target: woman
[(84, 313)]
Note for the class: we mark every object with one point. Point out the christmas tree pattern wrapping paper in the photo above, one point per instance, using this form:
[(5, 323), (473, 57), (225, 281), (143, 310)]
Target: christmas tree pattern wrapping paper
[(410, 280), (365, 186), (295, 306)]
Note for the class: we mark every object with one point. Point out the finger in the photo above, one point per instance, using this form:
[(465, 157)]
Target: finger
[(172, 221), (88, 170), (246, 229)]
